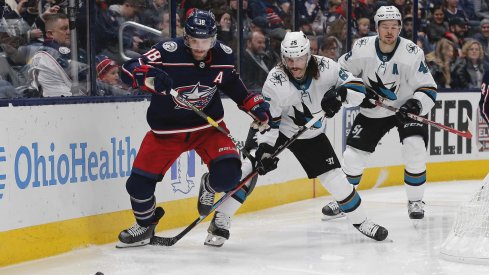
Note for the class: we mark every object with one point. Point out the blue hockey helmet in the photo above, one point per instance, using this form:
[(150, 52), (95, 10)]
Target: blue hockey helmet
[(201, 24)]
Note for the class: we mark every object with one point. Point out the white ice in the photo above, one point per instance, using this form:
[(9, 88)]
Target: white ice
[(292, 239)]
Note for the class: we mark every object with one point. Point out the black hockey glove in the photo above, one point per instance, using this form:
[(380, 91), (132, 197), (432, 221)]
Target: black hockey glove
[(367, 101), (332, 101), (151, 79), (263, 157), (412, 106)]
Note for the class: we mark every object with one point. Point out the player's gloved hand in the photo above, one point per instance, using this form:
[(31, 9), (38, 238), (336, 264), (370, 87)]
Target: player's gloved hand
[(412, 106), (265, 163), (151, 79), (332, 101), (258, 109), (368, 100)]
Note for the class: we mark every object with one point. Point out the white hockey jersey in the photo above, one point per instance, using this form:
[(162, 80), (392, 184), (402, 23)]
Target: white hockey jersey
[(404, 72), (284, 95)]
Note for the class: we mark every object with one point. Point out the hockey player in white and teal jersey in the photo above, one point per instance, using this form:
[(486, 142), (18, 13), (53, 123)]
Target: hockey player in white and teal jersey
[(393, 68), (296, 89)]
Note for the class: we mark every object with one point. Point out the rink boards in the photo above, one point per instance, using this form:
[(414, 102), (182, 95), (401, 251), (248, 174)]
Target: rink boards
[(63, 170)]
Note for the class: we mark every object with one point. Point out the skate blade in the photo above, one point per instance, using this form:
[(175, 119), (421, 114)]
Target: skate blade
[(215, 241), (328, 218), (136, 244)]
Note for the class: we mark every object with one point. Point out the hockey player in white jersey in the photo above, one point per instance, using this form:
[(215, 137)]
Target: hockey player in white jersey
[(295, 89), (395, 69)]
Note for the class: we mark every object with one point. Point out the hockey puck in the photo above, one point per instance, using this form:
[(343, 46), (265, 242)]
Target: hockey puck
[(99, 273)]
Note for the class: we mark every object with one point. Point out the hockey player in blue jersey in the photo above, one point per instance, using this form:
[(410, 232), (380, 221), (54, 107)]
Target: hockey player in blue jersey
[(484, 102), (197, 67)]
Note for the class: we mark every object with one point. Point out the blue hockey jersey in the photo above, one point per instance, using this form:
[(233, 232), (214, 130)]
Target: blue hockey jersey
[(199, 82), (484, 102)]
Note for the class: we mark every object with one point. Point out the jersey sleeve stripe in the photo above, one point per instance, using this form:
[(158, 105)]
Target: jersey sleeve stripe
[(355, 86), (429, 91)]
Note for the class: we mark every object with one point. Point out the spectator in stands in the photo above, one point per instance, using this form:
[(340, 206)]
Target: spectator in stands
[(469, 68), (481, 9), (313, 44), (440, 62), (483, 37), (151, 15), (108, 79), (164, 24), (255, 68), (437, 24), (276, 36), (457, 31), (363, 28), (274, 11), (108, 22), (225, 28), (330, 48), (233, 5), (323, 19), (260, 24), (212, 5), (54, 72), (338, 29), (452, 11)]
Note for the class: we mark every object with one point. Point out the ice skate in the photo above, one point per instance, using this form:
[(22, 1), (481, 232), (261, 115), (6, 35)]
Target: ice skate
[(139, 235), (218, 230), (206, 197), (416, 209), (332, 211), (372, 230)]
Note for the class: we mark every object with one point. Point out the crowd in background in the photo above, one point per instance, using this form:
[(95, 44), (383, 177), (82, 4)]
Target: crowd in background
[(454, 35)]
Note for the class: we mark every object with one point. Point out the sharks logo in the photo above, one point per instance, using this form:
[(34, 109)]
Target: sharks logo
[(412, 48), (323, 64), (198, 95), (278, 78), (362, 42), (385, 90), (301, 118)]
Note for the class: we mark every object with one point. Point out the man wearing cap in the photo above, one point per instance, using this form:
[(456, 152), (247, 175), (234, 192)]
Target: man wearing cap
[(457, 31)]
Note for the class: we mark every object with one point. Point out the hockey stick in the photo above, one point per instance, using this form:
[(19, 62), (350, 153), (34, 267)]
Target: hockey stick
[(212, 122), (466, 134), (163, 241)]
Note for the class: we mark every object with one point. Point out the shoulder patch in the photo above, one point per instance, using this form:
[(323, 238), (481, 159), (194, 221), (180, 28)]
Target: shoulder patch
[(412, 48), (278, 78), (170, 46), (64, 50), (226, 49)]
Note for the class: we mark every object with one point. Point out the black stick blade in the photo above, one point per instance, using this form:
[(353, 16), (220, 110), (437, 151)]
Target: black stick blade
[(161, 241)]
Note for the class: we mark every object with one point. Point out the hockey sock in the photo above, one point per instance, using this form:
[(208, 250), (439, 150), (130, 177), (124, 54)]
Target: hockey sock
[(143, 202), (345, 194), (414, 184), (354, 180)]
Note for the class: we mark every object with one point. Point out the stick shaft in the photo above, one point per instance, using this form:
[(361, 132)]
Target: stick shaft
[(212, 122), (172, 240), (465, 134)]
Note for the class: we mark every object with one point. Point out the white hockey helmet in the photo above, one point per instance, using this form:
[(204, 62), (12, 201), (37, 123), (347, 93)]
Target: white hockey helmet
[(387, 13), (295, 44)]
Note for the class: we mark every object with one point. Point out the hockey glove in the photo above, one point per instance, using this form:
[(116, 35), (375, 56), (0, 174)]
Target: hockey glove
[(151, 79), (258, 109), (263, 156), (412, 106), (332, 101), (368, 100)]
